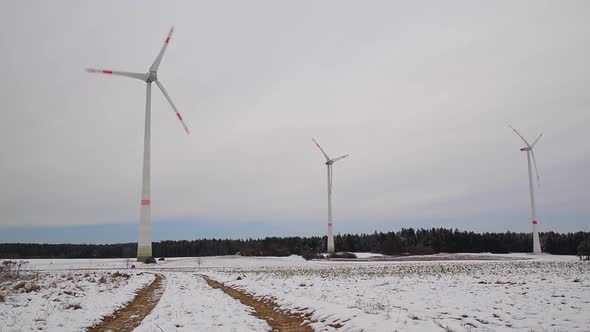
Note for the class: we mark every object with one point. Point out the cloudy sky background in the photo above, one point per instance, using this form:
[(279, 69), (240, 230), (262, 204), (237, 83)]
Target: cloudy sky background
[(418, 93)]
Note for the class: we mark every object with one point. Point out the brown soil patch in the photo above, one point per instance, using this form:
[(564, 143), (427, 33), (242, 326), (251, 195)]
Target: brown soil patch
[(266, 309), (128, 318)]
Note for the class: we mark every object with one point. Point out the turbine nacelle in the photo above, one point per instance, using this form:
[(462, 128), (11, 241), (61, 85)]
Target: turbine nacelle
[(152, 76), (529, 148), (331, 161), (328, 160)]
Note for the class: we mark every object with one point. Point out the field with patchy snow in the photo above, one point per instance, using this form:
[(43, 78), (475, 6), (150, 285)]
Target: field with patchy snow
[(520, 293), (434, 296), (64, 300)]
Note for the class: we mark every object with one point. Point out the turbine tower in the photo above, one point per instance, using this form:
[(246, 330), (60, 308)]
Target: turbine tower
[(529, 152), (329, 163), (144, 246)]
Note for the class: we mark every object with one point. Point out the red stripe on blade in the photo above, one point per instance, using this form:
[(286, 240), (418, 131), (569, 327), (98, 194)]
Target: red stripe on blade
[(145, 202), (167, 40), (107, 71), (179, 117), (534, 222)]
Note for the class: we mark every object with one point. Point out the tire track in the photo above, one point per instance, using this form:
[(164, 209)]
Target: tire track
[(267, 310), (129, 317)]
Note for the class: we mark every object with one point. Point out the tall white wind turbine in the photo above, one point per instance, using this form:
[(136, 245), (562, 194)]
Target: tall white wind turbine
[(329, 163), (529, 152), (144, 247)]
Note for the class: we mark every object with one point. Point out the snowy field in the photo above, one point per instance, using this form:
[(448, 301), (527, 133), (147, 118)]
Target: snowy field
[(520, 293), (189, 304), (65, 301)]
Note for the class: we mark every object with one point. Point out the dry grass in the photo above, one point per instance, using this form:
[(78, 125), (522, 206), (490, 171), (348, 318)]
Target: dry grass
[(121, 275), (11, 270), (32, 287), (19, 285), (26, 286), (12, 266), (13, 279), (7, 276), (73, 305)]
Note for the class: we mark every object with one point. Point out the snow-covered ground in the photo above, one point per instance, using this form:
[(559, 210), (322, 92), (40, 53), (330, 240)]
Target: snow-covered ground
[(189, 304), (366, 255), (65, 301), (172, 263), (79, 264), (522, 292), (545, 293)]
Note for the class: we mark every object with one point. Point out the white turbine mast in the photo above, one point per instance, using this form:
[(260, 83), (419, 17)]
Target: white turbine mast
[(329, 163), (529, 152), (144, 246)]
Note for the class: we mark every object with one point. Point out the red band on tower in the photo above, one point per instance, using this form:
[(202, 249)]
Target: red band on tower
[(330, 224), (145, 202), (534, 222)]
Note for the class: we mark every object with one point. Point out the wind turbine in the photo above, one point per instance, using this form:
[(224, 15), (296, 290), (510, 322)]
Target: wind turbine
[(144, 246), (329, 163), (529, 152)]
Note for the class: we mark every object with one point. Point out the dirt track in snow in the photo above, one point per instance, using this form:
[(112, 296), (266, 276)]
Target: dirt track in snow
[(129, 317), (278, 319)]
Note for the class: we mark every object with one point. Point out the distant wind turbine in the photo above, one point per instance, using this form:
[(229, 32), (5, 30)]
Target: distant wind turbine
[(529, 153), (329, 163), (144, 247)]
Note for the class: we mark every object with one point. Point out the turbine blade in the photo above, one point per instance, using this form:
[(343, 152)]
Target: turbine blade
[(173, 107), (156, 63), (336, 159), (519, 135), (139, 76), (535, 142), (323, 152), (536, 170)]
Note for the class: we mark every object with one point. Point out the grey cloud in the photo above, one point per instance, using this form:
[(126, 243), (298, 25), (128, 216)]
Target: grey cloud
[(419, 94)]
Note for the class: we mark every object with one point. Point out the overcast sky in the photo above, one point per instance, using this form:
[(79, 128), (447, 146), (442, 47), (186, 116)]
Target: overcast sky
[(419, 93)]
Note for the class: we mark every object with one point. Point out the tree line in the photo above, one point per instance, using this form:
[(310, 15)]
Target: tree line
[(405, 241)]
